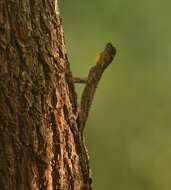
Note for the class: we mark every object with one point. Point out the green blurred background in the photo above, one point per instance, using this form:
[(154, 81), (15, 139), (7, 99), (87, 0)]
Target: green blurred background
[(128, 131)]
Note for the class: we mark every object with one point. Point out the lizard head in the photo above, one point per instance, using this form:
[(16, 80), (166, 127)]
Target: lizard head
[(110, 49)]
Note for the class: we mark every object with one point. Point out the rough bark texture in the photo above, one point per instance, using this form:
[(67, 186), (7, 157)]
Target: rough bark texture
[(40, 145)]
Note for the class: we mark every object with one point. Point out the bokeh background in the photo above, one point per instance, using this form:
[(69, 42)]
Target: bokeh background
[(129, 129)]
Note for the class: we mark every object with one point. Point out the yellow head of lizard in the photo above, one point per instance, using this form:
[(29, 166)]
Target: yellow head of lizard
[(106, 55)]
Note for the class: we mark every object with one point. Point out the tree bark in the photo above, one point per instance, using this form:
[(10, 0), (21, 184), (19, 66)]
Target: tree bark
[(40, 145), (41, 125)]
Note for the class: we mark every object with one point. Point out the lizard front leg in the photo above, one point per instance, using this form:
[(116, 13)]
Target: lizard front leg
[(79, 80)]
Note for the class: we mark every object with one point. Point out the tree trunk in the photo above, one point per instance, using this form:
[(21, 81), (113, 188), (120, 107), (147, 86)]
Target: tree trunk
[(40, 144), (41, 125)]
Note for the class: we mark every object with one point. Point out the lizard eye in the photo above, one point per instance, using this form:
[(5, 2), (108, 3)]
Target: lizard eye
[(110, 48)]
